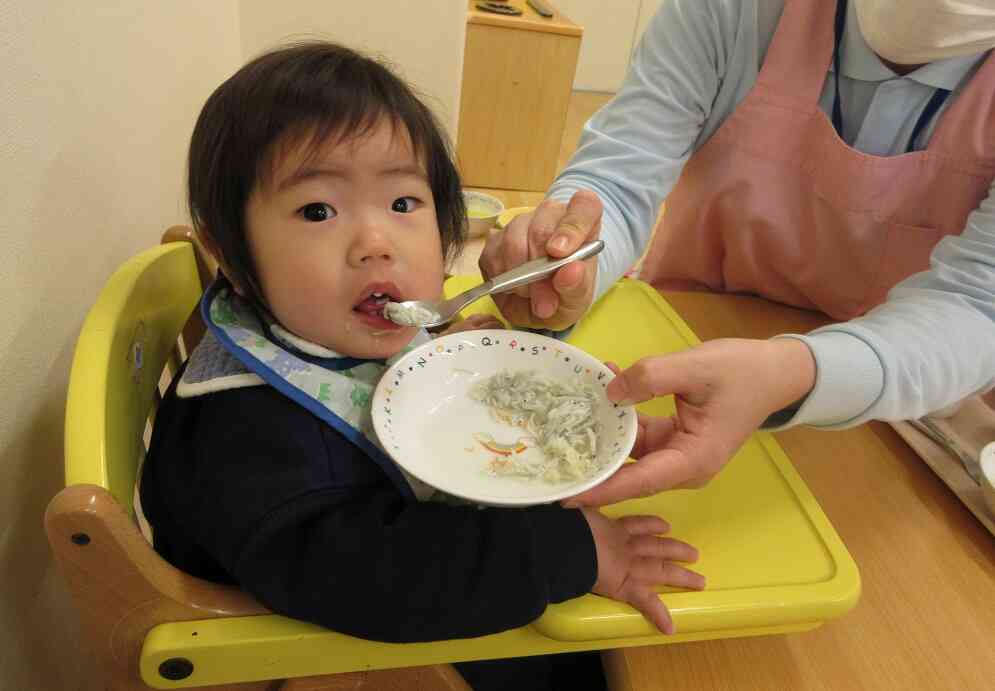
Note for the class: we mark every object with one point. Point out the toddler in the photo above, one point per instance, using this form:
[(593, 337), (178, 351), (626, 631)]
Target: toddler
[(324, 188)]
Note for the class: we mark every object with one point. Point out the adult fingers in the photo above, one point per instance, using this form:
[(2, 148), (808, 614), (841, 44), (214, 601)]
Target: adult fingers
[(652, 434), (518, 311), (574, 287), (544, 222), (658, 375), (491, 261), (580, 223), (574, 283), (506, 250), (653, 473), (502, 252), (541, 227), (556, 232)]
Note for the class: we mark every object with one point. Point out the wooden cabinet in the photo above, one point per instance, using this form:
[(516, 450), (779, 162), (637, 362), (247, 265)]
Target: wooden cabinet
[(517, 78)]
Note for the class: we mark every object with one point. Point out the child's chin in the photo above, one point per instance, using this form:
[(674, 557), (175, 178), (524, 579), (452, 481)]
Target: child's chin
[(385, 345)]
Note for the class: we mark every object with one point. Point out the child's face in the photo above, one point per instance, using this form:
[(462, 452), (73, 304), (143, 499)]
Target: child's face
[(355, 221)]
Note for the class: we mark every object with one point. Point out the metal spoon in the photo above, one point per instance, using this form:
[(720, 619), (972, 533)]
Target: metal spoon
[(426, 313), (930, 429)]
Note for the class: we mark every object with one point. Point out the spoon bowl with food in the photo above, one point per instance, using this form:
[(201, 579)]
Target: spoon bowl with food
[(428, 313)]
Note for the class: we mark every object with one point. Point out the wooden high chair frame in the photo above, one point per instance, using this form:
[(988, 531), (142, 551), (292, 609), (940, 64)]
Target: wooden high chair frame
[(120, 585)]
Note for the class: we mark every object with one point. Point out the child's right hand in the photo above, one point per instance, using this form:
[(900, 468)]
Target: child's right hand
[(633, 558)]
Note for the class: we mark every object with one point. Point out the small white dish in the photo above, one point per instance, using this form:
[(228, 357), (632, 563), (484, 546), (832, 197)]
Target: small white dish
[(482, 211), (987, 459), (428, 423)]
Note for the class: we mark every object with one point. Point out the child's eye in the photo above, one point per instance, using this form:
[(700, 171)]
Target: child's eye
[(405, 205), (316, 212)]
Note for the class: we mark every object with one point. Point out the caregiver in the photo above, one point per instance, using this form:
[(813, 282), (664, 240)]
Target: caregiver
[(812, 152)]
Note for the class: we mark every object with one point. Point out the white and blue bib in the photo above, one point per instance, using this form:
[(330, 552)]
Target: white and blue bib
[(240, 349)]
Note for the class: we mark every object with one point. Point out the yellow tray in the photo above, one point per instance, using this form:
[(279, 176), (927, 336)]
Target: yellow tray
[(774, 563), (771, 557)]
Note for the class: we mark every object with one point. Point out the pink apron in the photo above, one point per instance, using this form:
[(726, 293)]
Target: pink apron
[(776, 204)]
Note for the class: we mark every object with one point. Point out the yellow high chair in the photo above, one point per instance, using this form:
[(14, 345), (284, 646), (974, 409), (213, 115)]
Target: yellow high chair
[(140, 614), (151, 625)]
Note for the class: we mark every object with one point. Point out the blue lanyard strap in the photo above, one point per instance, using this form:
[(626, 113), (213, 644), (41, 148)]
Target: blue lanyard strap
[(931, 109), (838, 102), (928, 113)]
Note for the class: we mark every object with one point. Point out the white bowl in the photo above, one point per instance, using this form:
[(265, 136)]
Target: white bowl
[(429, 424), (987, 459), (482, 211)]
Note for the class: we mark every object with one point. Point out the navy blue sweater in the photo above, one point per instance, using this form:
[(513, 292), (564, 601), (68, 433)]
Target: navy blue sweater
[(245, 486)]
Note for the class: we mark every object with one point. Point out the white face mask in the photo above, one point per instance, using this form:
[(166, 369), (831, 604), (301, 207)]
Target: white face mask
[(913, 32)]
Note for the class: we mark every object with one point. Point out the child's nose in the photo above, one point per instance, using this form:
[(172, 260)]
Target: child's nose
[(372, 246)]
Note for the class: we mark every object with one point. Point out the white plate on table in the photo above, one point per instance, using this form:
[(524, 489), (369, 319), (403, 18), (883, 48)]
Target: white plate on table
[(429, 424)]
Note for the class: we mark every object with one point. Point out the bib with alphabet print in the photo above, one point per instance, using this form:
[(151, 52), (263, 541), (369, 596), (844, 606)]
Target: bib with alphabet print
[(240, 349)]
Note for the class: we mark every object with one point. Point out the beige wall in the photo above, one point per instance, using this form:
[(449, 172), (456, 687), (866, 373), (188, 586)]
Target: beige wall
[(97, 101), (423, 39), (647, 8), (611, 31), (607, 42)]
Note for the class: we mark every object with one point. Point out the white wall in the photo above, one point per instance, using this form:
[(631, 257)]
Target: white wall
[(423, 39), (611, 30), (97, 101)]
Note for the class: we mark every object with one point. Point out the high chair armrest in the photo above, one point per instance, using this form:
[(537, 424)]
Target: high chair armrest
[(121, 586)]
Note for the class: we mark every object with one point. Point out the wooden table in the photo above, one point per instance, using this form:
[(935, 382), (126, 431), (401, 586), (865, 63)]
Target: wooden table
[(926, 618)]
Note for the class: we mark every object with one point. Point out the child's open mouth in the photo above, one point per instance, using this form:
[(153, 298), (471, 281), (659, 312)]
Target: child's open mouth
[(371, 307)]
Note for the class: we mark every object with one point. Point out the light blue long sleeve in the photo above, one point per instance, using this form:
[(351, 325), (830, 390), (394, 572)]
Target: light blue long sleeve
[(933, 342)]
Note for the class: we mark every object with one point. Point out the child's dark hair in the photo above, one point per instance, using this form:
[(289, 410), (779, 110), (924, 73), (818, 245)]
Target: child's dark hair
[(306, 93)]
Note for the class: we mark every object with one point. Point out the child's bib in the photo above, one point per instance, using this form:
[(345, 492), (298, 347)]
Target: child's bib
[(241, 350)]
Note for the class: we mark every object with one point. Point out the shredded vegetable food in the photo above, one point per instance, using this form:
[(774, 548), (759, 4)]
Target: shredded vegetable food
[(559, 415)]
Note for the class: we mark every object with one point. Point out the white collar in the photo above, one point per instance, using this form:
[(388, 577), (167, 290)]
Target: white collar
[(304, 346)]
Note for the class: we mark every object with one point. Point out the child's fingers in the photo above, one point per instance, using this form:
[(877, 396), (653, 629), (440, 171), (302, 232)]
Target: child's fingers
[(658, 572), (678, 576), (649, 604), (644, 525), (663, 548)]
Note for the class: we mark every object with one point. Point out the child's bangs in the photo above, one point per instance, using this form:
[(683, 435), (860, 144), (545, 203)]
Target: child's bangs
[(306, 139)]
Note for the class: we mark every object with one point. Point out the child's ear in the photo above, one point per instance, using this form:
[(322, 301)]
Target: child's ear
[(209, 246)]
